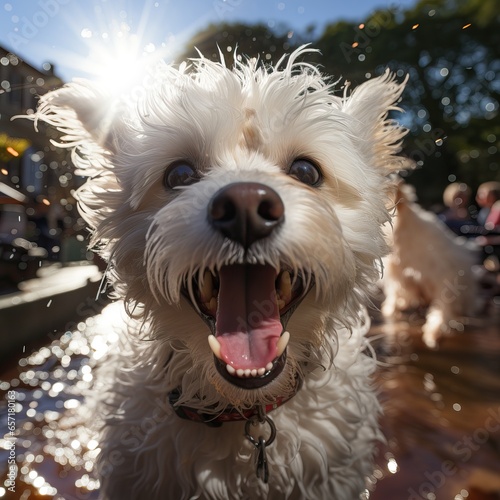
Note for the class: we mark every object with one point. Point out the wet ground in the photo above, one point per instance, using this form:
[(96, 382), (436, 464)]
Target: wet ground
[(442, 414)]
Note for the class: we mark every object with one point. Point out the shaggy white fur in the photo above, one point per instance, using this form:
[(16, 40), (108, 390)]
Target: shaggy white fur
[(428, 267), (157, 157)]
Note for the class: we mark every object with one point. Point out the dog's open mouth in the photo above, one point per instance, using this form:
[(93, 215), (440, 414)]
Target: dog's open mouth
[(247, 307)]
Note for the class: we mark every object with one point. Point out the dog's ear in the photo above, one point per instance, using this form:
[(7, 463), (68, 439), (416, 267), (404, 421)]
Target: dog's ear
[(84, 112), (370, 104), (88, 117)]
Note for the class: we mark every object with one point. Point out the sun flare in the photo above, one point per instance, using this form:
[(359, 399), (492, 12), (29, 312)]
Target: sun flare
[(120, 60)]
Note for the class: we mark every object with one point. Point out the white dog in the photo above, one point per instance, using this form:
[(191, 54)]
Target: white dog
[(428, 267), (241, 212)]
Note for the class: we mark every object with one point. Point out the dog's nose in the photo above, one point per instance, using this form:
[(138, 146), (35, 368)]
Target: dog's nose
[(246, 211)]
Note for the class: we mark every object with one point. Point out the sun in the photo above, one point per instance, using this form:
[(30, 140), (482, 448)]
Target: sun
[(120, 60)]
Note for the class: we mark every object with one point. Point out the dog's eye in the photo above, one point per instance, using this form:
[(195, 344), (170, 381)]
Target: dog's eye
[(305, 171), (180, 173)]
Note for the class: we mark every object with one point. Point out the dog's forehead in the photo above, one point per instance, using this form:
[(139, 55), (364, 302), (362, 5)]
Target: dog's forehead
[(251, 137), (216, 117), (204, 113)]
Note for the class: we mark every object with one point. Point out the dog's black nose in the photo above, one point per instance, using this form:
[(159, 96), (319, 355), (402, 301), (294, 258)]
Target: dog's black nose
[(246, 211)]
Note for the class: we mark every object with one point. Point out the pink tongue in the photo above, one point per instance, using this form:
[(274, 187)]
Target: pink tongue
[(248, 326)]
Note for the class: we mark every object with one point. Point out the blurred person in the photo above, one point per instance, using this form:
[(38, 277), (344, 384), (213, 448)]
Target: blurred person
[(493, 220), (487, 195), (488, 198), (456, 198)]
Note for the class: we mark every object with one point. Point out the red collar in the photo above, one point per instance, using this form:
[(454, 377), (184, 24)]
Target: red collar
[(230, 414)]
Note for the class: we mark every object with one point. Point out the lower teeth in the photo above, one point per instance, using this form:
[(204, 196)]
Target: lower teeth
[(249, 373)]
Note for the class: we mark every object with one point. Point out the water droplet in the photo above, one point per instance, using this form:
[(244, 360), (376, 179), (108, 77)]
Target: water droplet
[(392, 466)]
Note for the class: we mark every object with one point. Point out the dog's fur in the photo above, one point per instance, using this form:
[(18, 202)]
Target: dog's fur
[(428, 267), (245, 124)]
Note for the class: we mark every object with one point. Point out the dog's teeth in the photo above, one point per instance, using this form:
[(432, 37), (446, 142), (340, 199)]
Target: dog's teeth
[(212, 306), (207, 287), (285, 286), (215, 346), (281, 304), (247, 373), (282, 343), (269, 366)]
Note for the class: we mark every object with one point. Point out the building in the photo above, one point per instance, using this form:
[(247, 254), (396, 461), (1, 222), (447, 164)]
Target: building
[(36, 178)]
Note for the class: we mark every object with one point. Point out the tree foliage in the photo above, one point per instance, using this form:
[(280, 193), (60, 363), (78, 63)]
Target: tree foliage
[(450, 50), (254, 41)]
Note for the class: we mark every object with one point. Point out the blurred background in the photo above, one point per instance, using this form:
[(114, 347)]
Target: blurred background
[(50, 286), (449, 49)]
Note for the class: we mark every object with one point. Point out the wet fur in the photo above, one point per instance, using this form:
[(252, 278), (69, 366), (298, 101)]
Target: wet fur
[(248, 122)]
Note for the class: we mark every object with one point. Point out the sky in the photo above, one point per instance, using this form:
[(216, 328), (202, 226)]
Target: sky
[(83, 37)]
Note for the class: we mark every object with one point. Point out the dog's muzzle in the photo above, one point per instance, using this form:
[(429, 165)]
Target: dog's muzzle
[(247, 306)]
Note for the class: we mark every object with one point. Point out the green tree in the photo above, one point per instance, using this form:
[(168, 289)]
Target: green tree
[(450, 50), (254, 41)]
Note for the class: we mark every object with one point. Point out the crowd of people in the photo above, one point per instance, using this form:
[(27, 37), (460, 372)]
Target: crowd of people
[(457, 215), (479, 221)]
